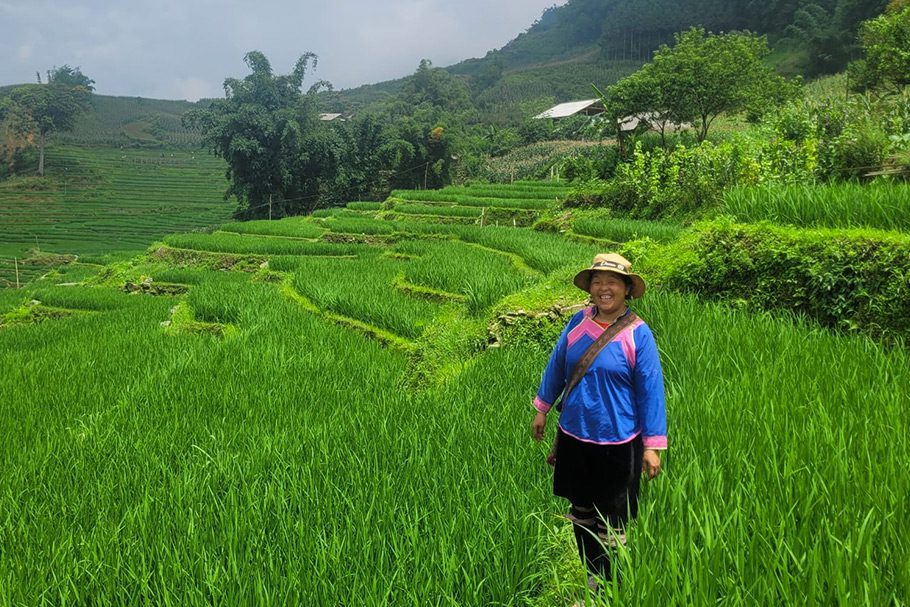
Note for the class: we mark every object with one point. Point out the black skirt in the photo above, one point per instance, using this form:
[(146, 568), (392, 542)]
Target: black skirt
[(607, 477)]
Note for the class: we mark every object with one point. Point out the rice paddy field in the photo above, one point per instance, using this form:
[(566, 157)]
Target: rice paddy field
[(97, 201), (309, 411)]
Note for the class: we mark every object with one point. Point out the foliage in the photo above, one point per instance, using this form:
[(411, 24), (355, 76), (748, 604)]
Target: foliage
[(598, 162), (884, 206), (853, 280), (280, 157), (37, 111), (257, 438), (700, 77), (100, 200), (673, 183), (70, 77), (886, 48), (533, 161)]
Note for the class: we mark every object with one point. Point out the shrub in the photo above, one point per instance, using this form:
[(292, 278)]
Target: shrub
[(847, 279), (681, 182)]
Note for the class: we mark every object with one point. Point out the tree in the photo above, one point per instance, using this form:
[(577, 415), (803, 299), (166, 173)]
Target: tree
[(71, 77), (699, 78), (281, 158), (886, 47), (39, 110)]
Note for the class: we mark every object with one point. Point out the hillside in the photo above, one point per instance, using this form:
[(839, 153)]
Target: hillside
[(599, 41), (334, 410)]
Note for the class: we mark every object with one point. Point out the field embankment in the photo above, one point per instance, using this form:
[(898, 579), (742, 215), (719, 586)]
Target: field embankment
[(97, 201)]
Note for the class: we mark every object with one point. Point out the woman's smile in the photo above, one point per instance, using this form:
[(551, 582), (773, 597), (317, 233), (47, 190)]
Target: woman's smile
[(608, 291)]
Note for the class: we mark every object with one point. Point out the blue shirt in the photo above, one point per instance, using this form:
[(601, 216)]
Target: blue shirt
[(622, 393)]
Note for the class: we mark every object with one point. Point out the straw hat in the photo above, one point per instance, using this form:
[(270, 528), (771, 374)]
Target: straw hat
[(610, 262)]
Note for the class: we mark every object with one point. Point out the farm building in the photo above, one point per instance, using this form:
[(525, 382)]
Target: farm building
[(588, 107), (653, 121)]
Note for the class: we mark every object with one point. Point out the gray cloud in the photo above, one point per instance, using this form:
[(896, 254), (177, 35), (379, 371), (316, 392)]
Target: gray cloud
[(183, 49)]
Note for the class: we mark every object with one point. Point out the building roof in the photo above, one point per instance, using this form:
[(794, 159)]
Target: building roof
[(653, 121), (330, 117), (588, 107)]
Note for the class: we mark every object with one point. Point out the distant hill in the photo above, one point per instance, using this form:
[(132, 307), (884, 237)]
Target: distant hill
[(556, 59), (599, 41), (129, 122), (133, 122)]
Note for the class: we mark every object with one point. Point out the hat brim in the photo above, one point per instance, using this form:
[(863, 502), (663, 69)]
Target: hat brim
[(583, 281)]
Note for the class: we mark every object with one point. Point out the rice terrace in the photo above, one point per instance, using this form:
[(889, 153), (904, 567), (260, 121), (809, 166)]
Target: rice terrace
[(316, 389)]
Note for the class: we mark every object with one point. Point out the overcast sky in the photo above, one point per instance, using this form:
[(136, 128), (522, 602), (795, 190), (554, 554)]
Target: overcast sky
[(184, 49)]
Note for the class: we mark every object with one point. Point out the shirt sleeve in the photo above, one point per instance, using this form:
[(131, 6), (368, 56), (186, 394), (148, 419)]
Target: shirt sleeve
[(650, 401), (554, 376)]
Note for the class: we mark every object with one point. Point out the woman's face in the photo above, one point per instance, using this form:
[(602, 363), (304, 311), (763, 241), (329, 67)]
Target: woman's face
[(608, 291)]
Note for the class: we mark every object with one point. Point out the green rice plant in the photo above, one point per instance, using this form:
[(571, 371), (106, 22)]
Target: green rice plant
[(498, 190), (364, 292), (363, 206), (226, 242), (471, 201), (229, 299), (294, 442), (773, 425), (437, 209), (542, 251), (79, 298), (186, 276), (295, 227), (362, 225), (483, 277), (884, 206), (338, 212), (623, 230)]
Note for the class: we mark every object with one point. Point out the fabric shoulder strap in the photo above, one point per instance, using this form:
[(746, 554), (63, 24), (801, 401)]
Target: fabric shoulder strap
[(582, 366)]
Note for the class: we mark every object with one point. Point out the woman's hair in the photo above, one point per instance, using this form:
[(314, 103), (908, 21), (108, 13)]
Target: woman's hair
[(628, 281)]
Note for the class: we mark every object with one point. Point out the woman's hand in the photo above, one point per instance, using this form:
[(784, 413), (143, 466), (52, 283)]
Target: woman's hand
[(537, 426), (650, 463)]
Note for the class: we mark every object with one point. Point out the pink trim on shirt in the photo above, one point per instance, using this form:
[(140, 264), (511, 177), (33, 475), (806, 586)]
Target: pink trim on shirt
[(541, 406), (585, 327), (626, 339), (594, 442), (655, 442)]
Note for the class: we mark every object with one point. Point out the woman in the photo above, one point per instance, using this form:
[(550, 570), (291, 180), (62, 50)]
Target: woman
[(612, 423)]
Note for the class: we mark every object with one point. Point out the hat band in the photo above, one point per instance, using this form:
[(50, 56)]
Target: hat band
[(609, 264)]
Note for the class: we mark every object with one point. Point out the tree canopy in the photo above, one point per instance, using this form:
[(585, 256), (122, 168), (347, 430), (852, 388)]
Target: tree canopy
[(886, 48), (699, 78), (35, 111), (70, 77), (280, 157)]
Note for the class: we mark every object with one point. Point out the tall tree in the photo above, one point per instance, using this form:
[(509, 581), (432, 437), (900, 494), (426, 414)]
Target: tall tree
[(70, 77), (40, 110), (281, 158), (700, 77), (886, 47)]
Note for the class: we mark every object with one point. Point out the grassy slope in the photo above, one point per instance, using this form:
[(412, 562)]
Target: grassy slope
[(97, 200), (275, 448)]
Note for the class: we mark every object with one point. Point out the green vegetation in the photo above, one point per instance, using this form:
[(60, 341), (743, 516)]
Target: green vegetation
[(699, 78), (333, 409), (38, 111), (622, 230), (96, 201), (847, 205), (274, 401), (854, 280)]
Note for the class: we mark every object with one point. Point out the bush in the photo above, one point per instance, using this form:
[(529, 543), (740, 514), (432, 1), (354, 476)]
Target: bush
[(683, 182), (597, 162), (857, 280)]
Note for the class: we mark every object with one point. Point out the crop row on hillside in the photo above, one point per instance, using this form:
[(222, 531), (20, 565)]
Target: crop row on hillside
[(249, 448), (885, 206)]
